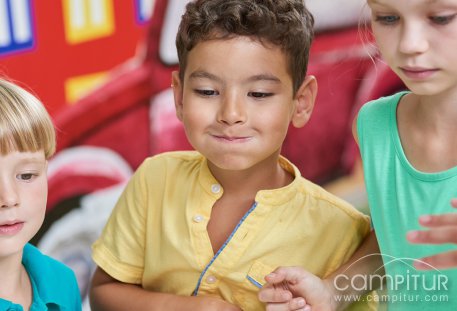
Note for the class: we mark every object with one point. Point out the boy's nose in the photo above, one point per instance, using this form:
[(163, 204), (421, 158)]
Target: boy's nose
[(8, 196), (413, 40), (232, 110)]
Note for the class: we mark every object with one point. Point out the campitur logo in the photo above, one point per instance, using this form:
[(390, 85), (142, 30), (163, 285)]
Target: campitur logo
[(401, 283)]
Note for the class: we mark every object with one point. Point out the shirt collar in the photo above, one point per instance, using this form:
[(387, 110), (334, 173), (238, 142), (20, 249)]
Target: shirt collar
[(284, 194), (42, 278), (273, 196), (8, 305)]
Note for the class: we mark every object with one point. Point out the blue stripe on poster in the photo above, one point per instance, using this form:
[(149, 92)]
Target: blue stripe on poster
[(16, 26), (143, 10)]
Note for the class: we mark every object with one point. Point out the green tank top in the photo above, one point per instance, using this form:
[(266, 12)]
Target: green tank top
[(398, 194)]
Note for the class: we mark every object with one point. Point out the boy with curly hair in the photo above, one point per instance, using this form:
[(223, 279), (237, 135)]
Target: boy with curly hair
[(199, 230)]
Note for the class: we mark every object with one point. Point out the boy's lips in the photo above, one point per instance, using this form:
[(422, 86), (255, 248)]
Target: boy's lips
[(11, 227), (231, 138)]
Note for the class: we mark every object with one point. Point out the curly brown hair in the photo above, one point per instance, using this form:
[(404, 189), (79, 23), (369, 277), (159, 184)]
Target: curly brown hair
[(285, 23)]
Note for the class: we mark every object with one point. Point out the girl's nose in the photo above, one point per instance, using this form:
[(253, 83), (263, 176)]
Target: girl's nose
[(413, 40)]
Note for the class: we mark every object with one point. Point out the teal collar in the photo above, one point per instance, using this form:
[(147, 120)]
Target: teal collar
[(43, 278)]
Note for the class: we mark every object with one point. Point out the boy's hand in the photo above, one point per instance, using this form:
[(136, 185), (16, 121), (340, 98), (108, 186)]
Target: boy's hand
[(442, 230), (292, 288)]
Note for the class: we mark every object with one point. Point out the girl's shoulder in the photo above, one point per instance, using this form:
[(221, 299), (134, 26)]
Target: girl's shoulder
[(383, 104), (376, 119), (380, 113)]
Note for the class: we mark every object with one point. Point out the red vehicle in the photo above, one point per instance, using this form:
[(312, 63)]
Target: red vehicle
[(132, 117)]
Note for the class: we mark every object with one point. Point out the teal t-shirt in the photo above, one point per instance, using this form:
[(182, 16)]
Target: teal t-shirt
[(54, 284), (398, 194)]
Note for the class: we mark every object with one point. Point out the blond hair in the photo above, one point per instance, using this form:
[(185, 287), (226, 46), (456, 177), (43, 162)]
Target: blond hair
[(25, 125)]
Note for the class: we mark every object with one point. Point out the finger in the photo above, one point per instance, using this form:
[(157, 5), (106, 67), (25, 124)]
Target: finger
[(274, 295), (433, 221), (275, 277), (433, 236), (277, 307), (282, 274), (454, 203), (439, 261), (296, 304)]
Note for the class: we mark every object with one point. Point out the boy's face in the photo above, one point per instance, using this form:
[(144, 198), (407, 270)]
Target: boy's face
[(23, 194), (236, 101)]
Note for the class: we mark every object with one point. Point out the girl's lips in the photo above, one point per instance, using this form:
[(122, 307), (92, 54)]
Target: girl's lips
[(418, 73), (11, 229)]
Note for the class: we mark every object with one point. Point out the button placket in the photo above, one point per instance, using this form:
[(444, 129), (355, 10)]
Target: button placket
[(198, 218), (215, 188), (211, 279)]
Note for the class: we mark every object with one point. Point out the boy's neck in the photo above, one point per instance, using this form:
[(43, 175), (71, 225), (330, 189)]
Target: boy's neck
[(240, 190), (15, 283), (265, 175)]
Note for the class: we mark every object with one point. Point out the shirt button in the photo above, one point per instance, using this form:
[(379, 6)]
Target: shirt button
[(198, 218), (215, 188), (211, 279)]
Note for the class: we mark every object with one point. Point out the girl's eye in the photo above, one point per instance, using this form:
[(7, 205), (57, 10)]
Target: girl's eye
[(259, 94), (206, 93), (387, 19), (26, 176), (442, 20)]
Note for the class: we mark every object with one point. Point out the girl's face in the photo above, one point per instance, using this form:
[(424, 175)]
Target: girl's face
[(418, 40), (23, 194)]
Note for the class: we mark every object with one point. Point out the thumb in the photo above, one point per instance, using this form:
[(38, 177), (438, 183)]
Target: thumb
[(308, 286), (285, 274)]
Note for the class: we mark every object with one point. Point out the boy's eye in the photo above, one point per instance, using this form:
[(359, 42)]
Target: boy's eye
[(259, 94), (387, 19), (206, 93), (442, 20)]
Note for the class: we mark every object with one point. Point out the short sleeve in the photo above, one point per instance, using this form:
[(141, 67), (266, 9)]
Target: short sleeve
[(120, 249)]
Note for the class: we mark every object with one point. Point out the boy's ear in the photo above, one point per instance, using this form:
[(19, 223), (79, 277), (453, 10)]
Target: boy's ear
[(177, 93), (304, 101)]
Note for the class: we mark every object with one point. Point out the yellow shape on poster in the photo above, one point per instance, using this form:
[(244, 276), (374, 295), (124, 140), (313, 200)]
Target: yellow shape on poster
[(78, 87), (87, 20)]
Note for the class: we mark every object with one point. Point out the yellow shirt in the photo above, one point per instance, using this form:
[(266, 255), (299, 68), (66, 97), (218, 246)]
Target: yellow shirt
[(157, 237)]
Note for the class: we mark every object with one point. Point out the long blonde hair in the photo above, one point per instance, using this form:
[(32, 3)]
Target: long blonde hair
[(25, 125)]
